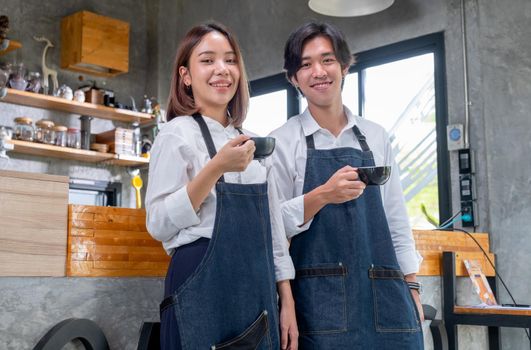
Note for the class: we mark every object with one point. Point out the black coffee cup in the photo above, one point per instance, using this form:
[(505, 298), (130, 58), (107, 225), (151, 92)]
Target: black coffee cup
[(374, 175), (264, 146)]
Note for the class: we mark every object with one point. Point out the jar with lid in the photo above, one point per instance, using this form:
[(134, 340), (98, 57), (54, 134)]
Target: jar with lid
[(60, 135), (73, 138), (44, 132), (24, 129)]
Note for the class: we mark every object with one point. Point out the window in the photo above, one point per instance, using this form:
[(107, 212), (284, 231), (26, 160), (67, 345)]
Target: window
[(400, 96), (402, 88), (273, 101), (266, 112)]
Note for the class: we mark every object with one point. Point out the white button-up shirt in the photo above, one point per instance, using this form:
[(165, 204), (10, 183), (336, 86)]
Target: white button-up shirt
[(289, 160), (178, 154)]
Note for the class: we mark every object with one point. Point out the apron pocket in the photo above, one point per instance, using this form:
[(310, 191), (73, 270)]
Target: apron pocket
[(320, 300), (256, 336), (394, 308)]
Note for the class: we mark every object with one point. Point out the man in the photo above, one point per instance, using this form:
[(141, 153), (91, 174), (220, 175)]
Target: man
[(352, 246)]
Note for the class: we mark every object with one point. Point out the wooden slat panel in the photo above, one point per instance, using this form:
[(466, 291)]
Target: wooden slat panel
[(33, 176), (83, 216), (449, 240), (33, 216), (122, 219), (25, 265), (126, 265), (117, 233), (87, 269), (32, 187), (112, 242), (431, 244), (81, 232), (119, 226), (107, 210)]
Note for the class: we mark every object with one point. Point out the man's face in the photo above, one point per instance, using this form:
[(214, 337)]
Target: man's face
[(320, 75)]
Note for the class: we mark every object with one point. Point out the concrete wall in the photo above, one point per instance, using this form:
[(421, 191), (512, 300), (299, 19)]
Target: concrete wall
[(499, 62), (29, 307), (504, 83)]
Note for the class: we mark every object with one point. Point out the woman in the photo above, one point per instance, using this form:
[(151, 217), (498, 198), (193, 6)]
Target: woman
[(211, 206)]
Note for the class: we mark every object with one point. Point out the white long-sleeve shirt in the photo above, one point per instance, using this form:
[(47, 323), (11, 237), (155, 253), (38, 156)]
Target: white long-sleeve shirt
[(178, 154), (289, 161)]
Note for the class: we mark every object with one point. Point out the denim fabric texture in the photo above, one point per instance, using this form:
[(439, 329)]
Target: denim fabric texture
[(347, 309), (229, 301), (184, 262)]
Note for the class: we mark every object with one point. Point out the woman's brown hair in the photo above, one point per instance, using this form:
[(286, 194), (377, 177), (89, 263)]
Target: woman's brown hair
[(181, 100)]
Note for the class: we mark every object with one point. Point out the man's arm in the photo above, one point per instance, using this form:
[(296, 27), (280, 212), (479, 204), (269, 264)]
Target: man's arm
[(342, 187)]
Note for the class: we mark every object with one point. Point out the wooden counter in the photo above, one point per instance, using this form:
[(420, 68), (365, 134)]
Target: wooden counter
[(112, 242), (431, 244), (33, 220), (492, 311)]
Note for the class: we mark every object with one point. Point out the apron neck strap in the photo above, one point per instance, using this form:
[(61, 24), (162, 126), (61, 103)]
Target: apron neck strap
[(361, 139), (310, 143), (207, 137)]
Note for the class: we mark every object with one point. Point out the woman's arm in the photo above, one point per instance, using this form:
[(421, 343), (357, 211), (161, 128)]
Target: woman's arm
[(168, 208), (234, 156)]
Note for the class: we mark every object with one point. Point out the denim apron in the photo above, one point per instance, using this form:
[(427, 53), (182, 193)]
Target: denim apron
[(349, 290), (230, 302)]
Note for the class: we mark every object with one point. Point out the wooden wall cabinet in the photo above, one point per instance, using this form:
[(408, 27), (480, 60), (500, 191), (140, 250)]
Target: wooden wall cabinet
[(33, 224), (94, 44)]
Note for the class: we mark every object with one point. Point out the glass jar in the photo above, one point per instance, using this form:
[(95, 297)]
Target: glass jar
[(24, 129), (60, 135), (4, 78), (34, 82), (73, 138), (17, 80), (44, 132), (6, 132)]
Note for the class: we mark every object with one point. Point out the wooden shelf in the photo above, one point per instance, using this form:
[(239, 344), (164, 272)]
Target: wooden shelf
[(42, 150), (125, 160), (60, 104), (13, 45)]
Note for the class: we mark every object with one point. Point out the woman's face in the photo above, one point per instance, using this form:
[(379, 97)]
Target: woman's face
[(213, 73)]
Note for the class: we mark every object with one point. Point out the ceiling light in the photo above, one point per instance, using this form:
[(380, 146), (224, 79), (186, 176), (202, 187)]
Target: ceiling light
[(348, 8)]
